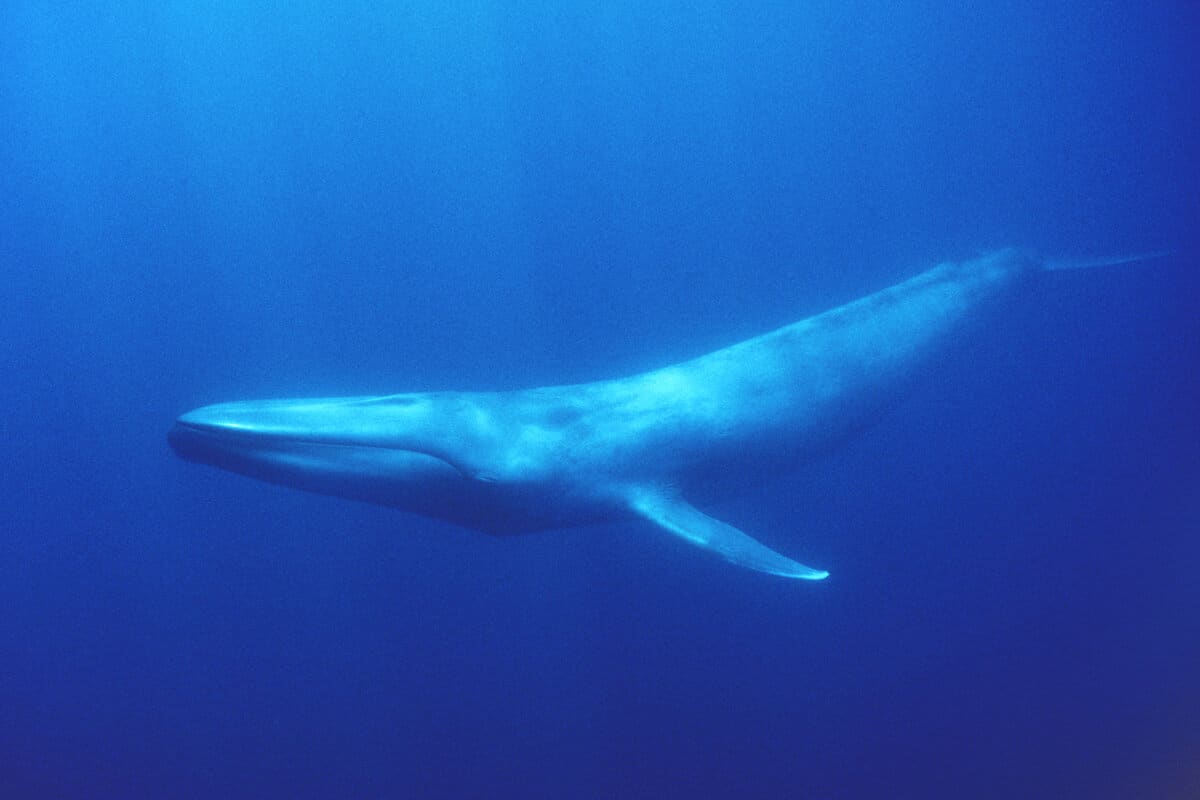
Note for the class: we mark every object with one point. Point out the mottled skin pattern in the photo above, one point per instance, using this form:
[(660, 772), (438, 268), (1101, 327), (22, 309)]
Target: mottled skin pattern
[(509, 462)]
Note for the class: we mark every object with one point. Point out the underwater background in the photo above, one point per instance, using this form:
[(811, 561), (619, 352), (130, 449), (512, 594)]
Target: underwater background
[(209, 201)]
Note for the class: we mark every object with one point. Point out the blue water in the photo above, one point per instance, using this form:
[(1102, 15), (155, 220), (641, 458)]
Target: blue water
[(215, 201)]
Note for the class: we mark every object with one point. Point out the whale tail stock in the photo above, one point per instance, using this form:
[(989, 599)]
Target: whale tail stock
[(1107, 261)]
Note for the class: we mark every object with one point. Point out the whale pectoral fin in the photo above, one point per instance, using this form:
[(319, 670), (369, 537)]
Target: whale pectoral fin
[(685, 521)]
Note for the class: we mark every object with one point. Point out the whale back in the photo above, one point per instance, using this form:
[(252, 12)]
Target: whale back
[(761, 404)]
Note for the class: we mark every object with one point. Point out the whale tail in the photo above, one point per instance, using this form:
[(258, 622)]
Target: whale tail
[(1109, 261)]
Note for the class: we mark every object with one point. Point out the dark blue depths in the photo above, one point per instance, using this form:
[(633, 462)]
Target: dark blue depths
[(204, 202)]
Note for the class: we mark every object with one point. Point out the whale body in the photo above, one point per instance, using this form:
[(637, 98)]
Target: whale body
[(644, 446)]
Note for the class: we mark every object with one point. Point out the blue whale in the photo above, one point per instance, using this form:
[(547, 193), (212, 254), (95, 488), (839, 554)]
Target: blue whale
[(636, 447)]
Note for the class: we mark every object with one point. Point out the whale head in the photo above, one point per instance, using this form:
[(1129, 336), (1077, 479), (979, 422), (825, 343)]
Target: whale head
[(378, 449)]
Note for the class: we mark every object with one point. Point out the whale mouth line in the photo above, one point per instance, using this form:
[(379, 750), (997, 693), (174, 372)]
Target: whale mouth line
[(197, 442), (248, 437)]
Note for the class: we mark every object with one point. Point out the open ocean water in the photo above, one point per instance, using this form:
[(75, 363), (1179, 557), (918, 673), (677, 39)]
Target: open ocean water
[(207, 201)]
